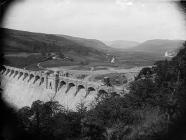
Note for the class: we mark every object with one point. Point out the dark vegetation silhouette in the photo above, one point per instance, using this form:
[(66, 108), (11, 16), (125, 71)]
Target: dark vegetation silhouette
[(153, 110)]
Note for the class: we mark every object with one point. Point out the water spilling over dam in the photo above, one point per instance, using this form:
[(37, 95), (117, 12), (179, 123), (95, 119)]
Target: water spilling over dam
[(21, 87)]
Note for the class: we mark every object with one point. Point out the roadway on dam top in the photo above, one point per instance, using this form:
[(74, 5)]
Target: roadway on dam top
[(92, 73)]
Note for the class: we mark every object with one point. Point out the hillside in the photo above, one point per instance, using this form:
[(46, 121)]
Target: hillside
[(158, 46), (35, 47), (122, 44), (27, 49), (15, 40), (92, 43)]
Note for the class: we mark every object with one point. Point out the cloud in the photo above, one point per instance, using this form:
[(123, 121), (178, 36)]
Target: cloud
[(102, 19)]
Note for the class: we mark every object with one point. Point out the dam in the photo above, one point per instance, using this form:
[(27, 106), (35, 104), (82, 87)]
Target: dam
[(21, 87)]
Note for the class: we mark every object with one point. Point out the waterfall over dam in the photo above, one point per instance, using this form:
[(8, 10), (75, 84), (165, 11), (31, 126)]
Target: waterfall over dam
[(21, 87)]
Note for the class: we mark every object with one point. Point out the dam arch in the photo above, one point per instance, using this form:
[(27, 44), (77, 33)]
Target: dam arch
[(69, 86), (37, 77), (7, 71), (78, 88), (102, 91), (11, 73), (61, 84), (30, 77), (42, 80), (25, 76), (16, 73), (20, 74), (89, 89)]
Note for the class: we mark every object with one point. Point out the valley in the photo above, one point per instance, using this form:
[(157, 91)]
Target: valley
[(87, 60)]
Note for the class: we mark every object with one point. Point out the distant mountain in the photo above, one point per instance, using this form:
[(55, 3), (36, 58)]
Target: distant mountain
[(158, 46), (122, 44)]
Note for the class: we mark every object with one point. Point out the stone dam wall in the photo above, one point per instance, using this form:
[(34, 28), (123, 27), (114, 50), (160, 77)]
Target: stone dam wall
[(22, 87)]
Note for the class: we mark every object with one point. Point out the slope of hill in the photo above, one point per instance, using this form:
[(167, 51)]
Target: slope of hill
[(158, 46), (15, 40), (92, 43), (24, 49), (18, 42), (122, 44)]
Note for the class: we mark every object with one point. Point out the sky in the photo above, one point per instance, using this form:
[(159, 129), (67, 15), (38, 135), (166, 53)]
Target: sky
[(106, 20)]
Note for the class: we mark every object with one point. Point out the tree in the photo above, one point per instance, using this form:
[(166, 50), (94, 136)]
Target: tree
[(145, 73), (81, 109), (25, 114)]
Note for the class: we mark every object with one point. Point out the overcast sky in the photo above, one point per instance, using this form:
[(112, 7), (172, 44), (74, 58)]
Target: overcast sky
[(106, 20)]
